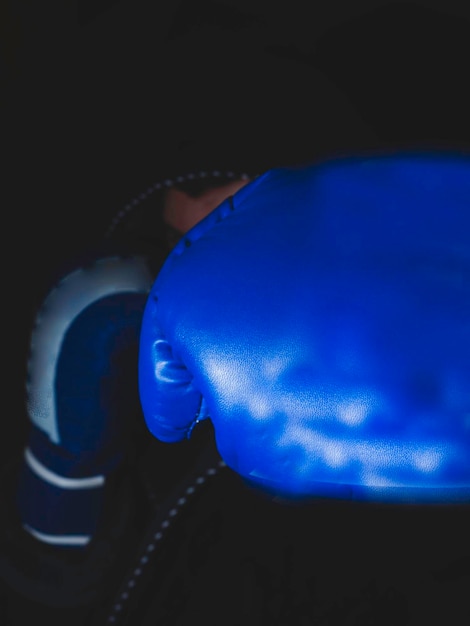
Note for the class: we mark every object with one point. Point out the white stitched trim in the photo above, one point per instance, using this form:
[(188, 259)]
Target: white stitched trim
[(131, 583), (166, 183), (61, 481), (58, 540)]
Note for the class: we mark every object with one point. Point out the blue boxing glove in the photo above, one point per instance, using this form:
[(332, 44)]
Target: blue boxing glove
[(321, 319)]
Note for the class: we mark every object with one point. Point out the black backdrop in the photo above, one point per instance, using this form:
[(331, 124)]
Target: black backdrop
[(101, 102)]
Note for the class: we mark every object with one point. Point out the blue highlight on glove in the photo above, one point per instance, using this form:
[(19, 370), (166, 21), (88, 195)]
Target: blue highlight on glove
[(321, 319)]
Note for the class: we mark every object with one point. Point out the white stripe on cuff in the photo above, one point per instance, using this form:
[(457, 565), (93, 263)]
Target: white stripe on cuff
[(61, 481), (58, 540)]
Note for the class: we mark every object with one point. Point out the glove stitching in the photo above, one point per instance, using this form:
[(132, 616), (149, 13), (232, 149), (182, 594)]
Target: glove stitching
[(197, 419), (218, 217)]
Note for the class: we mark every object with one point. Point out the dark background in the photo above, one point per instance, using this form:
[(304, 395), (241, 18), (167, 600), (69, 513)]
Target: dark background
[(102, 98)]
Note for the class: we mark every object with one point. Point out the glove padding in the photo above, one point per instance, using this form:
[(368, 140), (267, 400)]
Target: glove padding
[(321, 319)]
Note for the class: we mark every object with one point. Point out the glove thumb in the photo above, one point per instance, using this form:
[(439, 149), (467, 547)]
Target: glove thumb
[(171, 404)]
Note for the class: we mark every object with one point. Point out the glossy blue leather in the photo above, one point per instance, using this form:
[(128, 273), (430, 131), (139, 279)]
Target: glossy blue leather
[(321, 319)]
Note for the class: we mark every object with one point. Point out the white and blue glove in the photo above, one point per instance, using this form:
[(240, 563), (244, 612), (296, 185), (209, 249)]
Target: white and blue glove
[(82, 397)]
